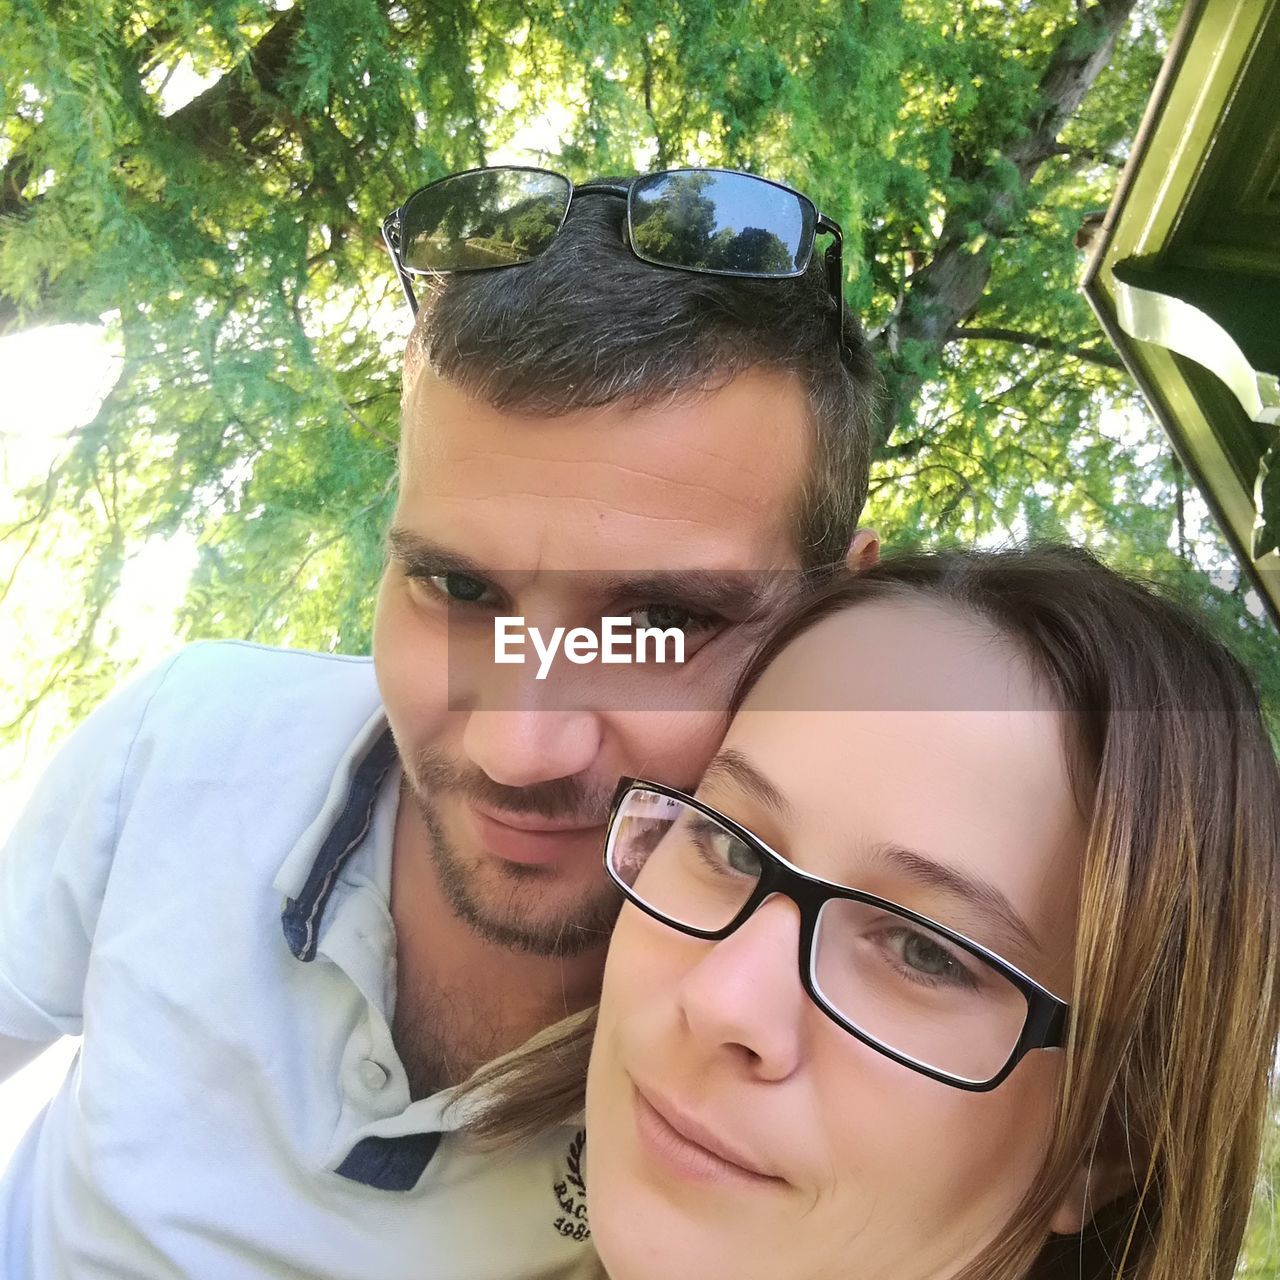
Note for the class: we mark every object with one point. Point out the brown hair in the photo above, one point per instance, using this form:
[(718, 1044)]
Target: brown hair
[(588, 324), (1176, 1010)]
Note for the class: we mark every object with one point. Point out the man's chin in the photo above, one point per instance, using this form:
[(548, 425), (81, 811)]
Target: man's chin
[(555, 906), (517, 908)]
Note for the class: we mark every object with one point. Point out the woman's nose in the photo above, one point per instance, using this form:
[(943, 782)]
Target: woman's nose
[(744, 998)]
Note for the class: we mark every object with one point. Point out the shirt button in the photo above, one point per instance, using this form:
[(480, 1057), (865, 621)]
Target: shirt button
[(373, 1075)]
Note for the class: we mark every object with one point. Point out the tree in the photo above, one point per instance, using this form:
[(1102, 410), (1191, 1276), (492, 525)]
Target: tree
[(234, 245)]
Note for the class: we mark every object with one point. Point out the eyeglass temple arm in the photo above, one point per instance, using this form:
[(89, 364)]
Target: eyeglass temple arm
[(391, 236), (834, 261), (1048, 1024)]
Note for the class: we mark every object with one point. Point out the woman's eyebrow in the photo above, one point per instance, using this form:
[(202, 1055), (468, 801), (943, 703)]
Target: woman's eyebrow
[(991, 904), (1009, 930), (732, 766)]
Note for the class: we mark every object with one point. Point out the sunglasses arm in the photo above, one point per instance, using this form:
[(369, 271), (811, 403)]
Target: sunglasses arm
[(834, 262), (391, 237)]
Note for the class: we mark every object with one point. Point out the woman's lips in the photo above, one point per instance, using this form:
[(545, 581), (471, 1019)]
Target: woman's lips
[(691, 1150), (531, 839)]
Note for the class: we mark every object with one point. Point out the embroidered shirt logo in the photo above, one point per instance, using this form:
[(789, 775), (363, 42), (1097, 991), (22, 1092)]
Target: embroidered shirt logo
[(571, 1193)]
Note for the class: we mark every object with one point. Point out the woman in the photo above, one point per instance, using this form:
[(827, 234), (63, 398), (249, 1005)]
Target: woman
[(962, 963)]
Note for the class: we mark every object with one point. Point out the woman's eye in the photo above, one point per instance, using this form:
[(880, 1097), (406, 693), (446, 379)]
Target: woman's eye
[(728, 849), (928, 958), (739, 856), (461, 587)]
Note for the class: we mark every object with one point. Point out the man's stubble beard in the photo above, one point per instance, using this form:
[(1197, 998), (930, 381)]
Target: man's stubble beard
[(582, 925)]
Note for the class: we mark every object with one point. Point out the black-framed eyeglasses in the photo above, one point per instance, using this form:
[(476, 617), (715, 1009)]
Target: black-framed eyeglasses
[(907, 986), (718, 221)]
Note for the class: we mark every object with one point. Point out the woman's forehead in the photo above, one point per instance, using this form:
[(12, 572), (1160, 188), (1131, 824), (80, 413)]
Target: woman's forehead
[(902, 654), (893, 725), (925, 700)]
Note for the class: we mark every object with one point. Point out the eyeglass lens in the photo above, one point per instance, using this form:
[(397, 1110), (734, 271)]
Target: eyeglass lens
[(713, 221), (487, 218), (903, 985)]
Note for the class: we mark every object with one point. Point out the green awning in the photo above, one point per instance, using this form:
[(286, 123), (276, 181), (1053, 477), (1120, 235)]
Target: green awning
[(1185, 273)]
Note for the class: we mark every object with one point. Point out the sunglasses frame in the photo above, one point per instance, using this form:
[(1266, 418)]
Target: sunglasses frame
[(833, 260), (1045, 1026)]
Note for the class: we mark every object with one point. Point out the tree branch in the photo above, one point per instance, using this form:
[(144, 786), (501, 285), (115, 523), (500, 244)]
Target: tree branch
[(242, 104), (1041, 343), (1086, 155), (241, 101)]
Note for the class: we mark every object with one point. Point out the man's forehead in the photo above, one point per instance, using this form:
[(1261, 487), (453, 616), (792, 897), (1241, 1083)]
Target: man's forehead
[(749, 436)]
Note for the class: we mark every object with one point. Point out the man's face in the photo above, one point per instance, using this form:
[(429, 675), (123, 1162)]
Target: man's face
[(675, 515)]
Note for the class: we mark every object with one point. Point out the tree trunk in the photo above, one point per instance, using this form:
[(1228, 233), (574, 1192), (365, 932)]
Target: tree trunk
[(940, 296)]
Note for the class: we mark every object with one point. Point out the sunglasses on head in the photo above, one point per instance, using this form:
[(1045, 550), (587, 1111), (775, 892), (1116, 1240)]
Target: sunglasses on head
[(716, 221)]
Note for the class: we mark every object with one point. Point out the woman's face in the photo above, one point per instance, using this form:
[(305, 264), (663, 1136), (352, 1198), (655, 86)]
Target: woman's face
[(915, 757)]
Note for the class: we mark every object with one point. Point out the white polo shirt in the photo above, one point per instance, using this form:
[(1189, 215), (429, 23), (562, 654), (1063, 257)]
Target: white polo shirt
[(200, 886)]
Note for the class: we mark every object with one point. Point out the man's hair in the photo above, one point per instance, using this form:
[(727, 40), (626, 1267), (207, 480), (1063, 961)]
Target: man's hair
[(588, 324)]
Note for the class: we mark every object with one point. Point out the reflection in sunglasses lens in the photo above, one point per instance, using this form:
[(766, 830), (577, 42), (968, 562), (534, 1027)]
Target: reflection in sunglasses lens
[(490, 218), (730, 222)]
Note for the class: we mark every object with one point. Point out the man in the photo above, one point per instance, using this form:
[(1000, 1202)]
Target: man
[(291, 900)]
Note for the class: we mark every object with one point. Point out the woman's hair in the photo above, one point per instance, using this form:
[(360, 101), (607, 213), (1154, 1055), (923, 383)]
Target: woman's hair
[(1176, 998)]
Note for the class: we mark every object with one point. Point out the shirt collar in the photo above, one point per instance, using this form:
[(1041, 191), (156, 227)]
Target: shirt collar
[(311, 870), (392, 1152)]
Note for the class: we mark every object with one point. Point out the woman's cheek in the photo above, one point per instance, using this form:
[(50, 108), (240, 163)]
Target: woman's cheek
[(924, 1150)]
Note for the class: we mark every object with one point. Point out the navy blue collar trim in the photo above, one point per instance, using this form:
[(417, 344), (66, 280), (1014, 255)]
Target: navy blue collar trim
[(302, 915), (387, 1164), (390, 1164)]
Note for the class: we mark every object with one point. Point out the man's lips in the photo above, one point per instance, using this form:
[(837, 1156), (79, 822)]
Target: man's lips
[(692, 1146), (533, 821), (531, 839)]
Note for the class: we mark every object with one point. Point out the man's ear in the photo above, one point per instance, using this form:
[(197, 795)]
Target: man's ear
[(864, 550)]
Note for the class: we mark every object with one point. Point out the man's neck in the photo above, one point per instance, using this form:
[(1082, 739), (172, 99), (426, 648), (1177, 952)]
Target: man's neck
[(462, 999)]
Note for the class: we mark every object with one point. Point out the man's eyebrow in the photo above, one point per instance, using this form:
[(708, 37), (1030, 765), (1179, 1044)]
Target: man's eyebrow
[(732, 766), (422, 556), (739, 594), (991, 904)]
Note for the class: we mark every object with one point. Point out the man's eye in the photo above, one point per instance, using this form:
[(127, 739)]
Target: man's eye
[(461, 587), (672, 617)]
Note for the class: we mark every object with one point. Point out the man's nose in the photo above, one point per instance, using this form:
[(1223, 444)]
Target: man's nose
[(519, 747), (744, 997)]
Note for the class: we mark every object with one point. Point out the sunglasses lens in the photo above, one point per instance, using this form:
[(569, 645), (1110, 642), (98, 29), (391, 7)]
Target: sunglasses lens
[(489, 218), (723, 222)]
